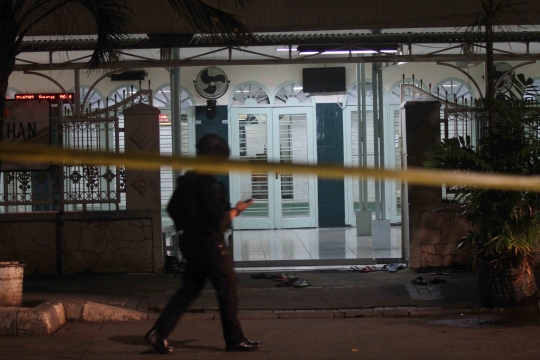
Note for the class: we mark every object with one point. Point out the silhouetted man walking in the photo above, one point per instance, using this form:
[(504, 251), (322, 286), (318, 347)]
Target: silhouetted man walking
[(200, 208)]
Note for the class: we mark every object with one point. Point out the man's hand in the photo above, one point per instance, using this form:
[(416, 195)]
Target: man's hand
[(240, 206), (243, 205)]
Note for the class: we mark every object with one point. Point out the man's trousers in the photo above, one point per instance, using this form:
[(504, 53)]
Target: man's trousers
[(207, 257)]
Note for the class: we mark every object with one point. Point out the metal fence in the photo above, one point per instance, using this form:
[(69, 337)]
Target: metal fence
[(77, 187)]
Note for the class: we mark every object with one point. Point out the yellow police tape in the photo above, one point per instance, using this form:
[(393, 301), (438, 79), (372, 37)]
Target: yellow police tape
[(153, 161)]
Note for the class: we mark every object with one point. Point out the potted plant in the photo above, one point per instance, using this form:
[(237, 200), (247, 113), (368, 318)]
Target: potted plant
[(505, 225)]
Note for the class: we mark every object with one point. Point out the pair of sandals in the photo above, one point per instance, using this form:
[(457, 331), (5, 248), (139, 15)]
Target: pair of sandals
[(294, 283), (393, 267), (420, 281), (389, 267), (283, 280), (284, 277), (281, 277)]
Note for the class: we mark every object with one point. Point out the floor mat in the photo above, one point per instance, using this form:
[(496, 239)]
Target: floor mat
[(388, 260)]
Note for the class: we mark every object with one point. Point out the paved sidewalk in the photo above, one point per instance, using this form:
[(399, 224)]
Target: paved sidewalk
[(330, 290), (49, 302)]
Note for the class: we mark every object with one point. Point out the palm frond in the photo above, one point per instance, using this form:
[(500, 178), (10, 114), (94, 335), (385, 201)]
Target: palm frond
[(111, 17), (211, 21)]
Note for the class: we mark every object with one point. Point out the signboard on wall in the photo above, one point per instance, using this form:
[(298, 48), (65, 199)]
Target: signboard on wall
[(26, 122), (52, 97)]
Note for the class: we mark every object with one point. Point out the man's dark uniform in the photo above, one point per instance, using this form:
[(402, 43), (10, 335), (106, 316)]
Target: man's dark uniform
[(199, 207), (207, 257)]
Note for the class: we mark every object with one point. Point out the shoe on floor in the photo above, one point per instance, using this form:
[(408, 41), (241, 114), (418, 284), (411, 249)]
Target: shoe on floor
[(283, 277), (288, 282), (245, 345), (394, 267), (300, 284), (159, 344)]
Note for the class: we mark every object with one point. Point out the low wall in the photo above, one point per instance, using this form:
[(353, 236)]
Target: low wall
[(102, 242), (434, 235)]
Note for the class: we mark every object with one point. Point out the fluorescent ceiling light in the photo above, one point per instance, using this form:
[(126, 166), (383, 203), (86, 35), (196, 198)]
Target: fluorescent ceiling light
[(340, 50), (401, 62), (286, 49), (330, 52)]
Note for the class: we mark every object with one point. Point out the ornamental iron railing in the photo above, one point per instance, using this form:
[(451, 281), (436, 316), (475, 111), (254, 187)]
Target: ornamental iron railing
[(75, 187), (461, 117)]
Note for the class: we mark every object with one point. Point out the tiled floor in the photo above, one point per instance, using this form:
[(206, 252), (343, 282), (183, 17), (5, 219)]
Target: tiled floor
[(310, 244)]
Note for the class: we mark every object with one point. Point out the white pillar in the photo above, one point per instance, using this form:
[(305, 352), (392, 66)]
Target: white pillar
[(141, 129)]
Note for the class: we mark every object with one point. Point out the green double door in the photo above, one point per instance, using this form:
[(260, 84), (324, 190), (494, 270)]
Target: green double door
[(285, 135)]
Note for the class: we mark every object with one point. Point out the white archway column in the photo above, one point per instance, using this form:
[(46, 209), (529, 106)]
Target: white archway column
[(381, 226), (176, 122), (363, 215)]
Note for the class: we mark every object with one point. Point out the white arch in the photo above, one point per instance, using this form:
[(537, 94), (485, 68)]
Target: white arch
[(394, 93), (350, 99), (290, 93), (251, 93), (119, 91), (532, 92), (92, 100), (459, 91), (162, 96)]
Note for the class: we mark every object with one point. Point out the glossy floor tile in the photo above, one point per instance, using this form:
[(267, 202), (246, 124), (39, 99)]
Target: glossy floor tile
[(311, 244)]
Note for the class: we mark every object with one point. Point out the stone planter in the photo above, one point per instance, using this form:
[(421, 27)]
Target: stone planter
[(502, 288), (11, 281)]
